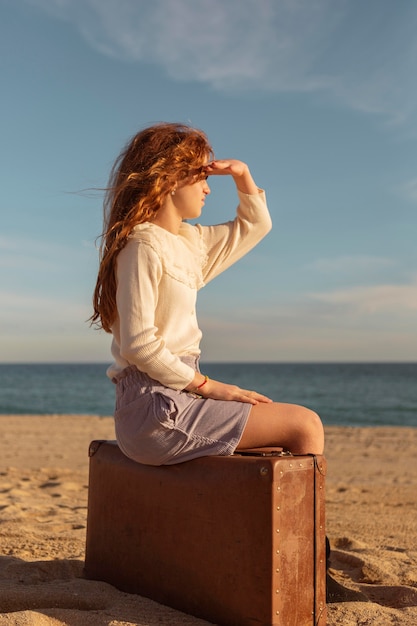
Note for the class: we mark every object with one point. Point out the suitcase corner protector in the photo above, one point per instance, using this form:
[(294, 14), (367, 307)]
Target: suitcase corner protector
[(94, 446), (320, 463)]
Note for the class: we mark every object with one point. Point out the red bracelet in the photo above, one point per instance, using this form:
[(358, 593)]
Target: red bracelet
[(203, 383)]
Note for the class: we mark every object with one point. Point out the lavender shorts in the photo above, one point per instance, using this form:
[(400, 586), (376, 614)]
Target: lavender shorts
[(157, 425)]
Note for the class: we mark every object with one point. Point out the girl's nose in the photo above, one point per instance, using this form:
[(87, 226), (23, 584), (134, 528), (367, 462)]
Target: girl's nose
[(206, 188)]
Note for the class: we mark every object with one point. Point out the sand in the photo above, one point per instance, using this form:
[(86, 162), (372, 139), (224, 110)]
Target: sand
[(371, 497)]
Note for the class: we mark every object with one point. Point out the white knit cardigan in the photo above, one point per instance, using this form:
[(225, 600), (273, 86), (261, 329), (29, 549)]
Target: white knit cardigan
[(158, 276)]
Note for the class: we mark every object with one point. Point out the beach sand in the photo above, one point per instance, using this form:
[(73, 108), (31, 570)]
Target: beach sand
[(371, 511)]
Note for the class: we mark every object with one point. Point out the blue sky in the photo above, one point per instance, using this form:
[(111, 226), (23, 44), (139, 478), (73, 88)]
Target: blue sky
[(318, 96)]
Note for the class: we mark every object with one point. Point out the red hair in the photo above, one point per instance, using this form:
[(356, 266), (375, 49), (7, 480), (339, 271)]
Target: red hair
[(149, 167)]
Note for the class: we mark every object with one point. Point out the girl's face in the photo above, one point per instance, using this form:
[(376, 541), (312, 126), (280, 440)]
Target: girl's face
[(189, 199)]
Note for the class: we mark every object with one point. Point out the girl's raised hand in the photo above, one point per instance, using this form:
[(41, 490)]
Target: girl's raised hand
[(237, 169), (231, 167)]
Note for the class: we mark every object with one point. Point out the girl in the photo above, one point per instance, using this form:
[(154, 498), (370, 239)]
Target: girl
[(152, 264)]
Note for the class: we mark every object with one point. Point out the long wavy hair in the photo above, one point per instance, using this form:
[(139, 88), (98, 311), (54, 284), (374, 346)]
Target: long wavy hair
[(155, 160)]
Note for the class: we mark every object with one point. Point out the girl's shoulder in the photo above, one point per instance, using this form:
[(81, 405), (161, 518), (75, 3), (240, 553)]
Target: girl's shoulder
[(153, 236), (147, 231), (181, 256)]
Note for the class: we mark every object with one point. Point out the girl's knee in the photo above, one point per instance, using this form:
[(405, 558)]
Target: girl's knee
[(314, 431), (315, 421)]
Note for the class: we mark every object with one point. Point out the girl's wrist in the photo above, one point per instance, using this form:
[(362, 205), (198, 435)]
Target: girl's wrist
[(197, 383), (245, 183), (201, 385)]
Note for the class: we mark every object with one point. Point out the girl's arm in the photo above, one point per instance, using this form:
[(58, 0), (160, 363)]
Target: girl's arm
[(225, 246), (228, 242)]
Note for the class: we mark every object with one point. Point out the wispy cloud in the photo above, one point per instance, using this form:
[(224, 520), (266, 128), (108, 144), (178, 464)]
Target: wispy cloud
[(397, 301), (357, 323), (40, 309), (352, 265), (30, 254), (391, 304), (39, 257), (46, 328), (362, 54), (26, 317)]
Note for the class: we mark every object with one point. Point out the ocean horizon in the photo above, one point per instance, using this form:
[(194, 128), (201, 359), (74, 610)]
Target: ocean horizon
[(345, 394)]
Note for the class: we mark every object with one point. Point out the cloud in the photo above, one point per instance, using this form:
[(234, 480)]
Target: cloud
[(358, 264), (34, 313), (397, 301), (362, 54), (28, 254), (355, 323), (37, 265), (48, 329), (385, 305)]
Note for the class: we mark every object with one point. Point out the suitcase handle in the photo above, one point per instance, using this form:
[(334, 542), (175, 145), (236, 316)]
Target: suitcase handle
[(263, 452)]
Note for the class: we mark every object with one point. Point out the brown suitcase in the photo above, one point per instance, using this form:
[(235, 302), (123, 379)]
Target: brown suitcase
[(238, 540)]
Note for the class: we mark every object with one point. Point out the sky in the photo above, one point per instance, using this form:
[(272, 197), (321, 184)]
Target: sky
[(319, 97)]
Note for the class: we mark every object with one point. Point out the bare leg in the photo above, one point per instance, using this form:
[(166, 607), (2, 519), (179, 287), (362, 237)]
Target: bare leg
[(293, 427)]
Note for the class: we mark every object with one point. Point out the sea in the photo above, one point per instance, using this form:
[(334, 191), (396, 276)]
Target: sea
[(346, 394)]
